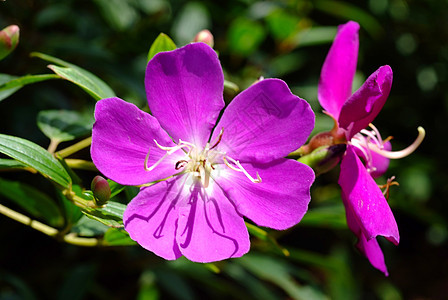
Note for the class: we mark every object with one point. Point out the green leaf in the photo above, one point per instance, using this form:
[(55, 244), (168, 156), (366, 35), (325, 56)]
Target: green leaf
[(118, 237), (313, 36), (72, 213), (6, 163), (121, 15), (279, 273), (88, 227), (332, 216), (245, 36), (110, 215), (162, 43), (282, 24), (64, 125), (36, 157), (11, 84), (83, 80), (350, 12), (33, 201), (94, 86), (115, 188), (264, 236), (192, 18)]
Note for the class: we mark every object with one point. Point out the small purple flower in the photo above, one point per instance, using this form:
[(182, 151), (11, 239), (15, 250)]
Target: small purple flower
[(367, 211), (208, 176)]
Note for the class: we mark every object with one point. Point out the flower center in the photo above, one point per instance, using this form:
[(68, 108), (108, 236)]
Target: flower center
[(370, 141), (200, 163)]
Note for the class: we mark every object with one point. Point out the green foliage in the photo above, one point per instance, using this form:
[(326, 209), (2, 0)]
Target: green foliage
[(110, 215), (35, 157), (286, 39), (245, 36), (161, 43), (90, 83), (64, 125), (11, 84), (32, 201)]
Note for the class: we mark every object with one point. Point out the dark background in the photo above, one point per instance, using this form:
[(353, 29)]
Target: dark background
[(111, 39)]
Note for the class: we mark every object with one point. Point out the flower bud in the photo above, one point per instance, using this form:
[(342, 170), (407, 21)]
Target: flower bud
[(205, 36), (101, 190), (9, 38), (324, 158)]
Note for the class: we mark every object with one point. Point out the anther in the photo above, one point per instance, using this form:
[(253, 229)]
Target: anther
[(390, 182), (180, 164)]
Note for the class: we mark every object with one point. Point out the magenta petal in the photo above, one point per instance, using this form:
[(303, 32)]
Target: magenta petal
[(365, 104), (279, 201), (365, 199), (336, 77), (185, 91), (370, 248), (151, 219), (210, 229), (122, 136), (264, 122)]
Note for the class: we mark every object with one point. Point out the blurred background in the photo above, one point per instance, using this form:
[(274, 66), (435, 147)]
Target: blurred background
[(284, 39)]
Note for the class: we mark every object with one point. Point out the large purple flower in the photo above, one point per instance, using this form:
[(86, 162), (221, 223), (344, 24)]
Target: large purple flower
[(367, 211), (208, 177)]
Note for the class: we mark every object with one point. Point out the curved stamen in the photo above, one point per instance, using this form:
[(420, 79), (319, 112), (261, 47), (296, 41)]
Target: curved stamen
[(148, 169), (402, 153), (373, 137), (376, 131), (169, 150), (240, 169), (219, 138)]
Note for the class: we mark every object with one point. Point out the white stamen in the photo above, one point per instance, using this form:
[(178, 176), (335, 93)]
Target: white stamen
[(199, 163), (372, 137), (376, 131), (240, 169), (402, 153), (148, 169), (169, 151)]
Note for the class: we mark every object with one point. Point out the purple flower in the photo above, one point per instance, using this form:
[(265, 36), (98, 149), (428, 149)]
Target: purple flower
[(208, 176), (367, 211)]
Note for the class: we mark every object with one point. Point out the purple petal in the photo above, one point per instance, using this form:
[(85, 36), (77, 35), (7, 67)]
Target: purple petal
[(151, 219), (369, 248), (379, 162), (264, 122), (279, 201), (122, 136), (210, 229), (336, 77), (365, 104), (185, 91), (363, 196)]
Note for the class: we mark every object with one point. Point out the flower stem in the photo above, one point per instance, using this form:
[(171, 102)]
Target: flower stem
[(80, 164), (75, 147), (70, 238), (53, 145)]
